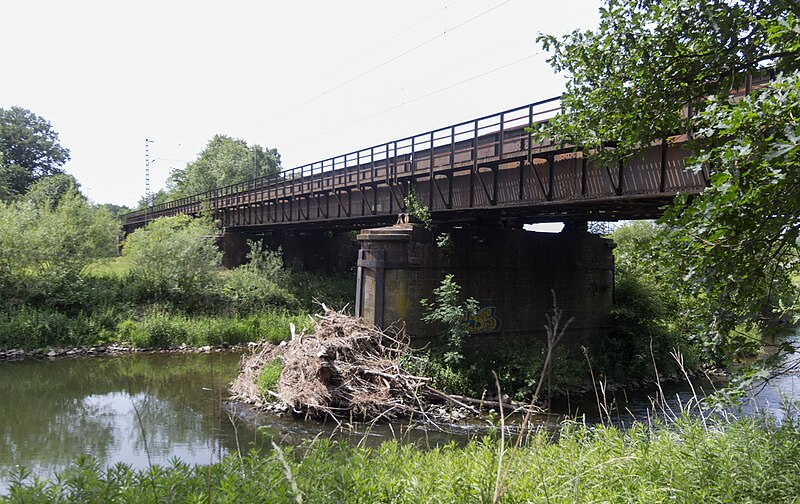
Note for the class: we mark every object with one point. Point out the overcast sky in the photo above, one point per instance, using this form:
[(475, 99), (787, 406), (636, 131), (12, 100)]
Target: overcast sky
[(313, 79)]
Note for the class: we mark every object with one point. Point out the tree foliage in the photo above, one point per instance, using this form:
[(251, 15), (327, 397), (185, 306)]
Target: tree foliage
[(50, 190), (114, 209), (29, 150), (174, 259), (71, 234), (224, 161), (158, 197), (633, 80), (451, 315)]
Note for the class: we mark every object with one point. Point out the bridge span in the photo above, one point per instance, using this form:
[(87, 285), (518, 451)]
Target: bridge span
[(481, 180), (484, 170)]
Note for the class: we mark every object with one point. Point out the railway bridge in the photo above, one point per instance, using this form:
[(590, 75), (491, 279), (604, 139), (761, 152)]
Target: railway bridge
[(481, 180)]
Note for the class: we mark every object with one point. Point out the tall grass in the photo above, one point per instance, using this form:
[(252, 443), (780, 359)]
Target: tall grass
[(162, 329), (739, 461)]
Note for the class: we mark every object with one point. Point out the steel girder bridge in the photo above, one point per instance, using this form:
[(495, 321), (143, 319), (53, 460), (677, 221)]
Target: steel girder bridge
[(488, 170)]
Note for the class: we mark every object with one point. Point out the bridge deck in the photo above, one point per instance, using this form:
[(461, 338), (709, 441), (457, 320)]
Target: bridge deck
[(487, 167)]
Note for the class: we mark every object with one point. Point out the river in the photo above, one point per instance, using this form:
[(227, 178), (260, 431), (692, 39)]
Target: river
[(144, 409)]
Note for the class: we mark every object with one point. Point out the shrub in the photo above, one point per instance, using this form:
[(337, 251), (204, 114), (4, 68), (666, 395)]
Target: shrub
[(248, 291), (30, 328), (450, 314), (640, 333), (175, 260)]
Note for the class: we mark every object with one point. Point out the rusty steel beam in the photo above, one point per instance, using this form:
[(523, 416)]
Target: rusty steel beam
[(501, 144)]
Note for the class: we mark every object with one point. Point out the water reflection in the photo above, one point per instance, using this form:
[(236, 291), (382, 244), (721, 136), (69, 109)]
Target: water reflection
[(775, 395), (120, 409), (54, 411)]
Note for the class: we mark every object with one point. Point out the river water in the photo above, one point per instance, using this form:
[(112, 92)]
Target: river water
[(150, 408)]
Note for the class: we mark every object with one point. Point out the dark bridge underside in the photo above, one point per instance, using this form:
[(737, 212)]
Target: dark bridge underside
[(488, 170)]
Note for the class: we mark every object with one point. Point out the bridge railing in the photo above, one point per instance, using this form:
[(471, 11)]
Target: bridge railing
[(498, 136)]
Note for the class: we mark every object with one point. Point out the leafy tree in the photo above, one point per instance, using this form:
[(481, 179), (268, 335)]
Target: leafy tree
[(224, 161), (161, 196), (44, 247), (50, 190), (5, 190), (70, 235), (174, 259), (115, 210), (30, 150), (632, 81)]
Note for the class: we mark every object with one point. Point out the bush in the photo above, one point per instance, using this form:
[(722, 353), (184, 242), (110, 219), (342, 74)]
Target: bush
[(175, 260), (450, 314), (30, 328), (640, 334), (44, 247)]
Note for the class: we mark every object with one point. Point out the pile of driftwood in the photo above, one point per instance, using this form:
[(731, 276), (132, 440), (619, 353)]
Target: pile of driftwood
[(345, 368)]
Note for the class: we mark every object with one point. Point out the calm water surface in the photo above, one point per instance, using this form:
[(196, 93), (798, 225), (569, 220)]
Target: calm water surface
[(124, 408)]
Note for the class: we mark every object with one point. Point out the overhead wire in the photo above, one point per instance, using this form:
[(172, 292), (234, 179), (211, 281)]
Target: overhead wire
[(390, 60), (398, 34), (422, 97), (450, 86)]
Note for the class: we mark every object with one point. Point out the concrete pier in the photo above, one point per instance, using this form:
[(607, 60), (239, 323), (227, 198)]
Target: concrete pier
[(512, 274)]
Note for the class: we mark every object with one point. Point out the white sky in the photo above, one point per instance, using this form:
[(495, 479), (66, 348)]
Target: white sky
[(313, 79)]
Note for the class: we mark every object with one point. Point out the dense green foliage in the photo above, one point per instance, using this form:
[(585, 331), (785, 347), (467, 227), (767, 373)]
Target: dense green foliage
[(49, 191), (631, 82), (29, 150), (745, 461), (174, 260), (224, 161), (649, 314), (59, 285), (43, 249)]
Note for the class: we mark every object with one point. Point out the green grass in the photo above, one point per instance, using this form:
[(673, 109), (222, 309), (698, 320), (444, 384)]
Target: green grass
[(163, 329), (30, 328), (743, 461), (268, 378), (116, 267)]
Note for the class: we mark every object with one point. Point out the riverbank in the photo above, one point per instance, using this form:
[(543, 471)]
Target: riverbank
[(691, 461), (18, 354)]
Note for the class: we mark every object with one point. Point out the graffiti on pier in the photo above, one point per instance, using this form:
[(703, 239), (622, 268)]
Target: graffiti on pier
[(484, 321)]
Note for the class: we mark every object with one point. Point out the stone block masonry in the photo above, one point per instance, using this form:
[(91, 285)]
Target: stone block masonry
[(512, 274)]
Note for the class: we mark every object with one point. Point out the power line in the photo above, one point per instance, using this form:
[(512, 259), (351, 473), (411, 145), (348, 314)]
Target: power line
[(398, 34), (390, 60), (514, 41), (462, 63), (475, 58), (428, 95)]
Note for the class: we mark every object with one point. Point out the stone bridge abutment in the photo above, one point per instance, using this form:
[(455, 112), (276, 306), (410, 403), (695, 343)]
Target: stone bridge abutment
[(511, 273)]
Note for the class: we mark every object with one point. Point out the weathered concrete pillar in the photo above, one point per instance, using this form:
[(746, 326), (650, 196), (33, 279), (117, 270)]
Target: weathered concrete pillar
[(386, 274), (512, 274), (234, 248)]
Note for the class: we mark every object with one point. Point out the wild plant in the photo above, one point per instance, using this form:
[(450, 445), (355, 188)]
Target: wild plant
[(451, 314)]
